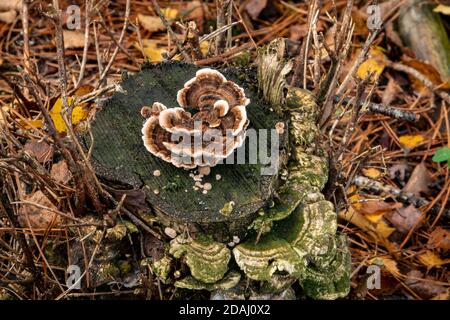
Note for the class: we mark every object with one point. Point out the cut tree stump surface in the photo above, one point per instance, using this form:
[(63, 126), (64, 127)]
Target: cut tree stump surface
[(119, 154)]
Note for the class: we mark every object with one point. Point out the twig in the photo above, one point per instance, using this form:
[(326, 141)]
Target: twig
[(116, 50), (359, 60), (222, 10), (407, 198), (384, 110), (88, 4), (170, 30), (22, 242), (419, 76)]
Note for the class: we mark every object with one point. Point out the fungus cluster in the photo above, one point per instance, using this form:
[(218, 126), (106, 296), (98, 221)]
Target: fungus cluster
[(208, 126)]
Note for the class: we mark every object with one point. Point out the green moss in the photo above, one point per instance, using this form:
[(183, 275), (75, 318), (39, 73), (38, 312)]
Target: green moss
[(260, 261), (206, 259)]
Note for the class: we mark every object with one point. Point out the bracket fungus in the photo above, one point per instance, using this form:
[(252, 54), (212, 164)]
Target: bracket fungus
[(208, 126)]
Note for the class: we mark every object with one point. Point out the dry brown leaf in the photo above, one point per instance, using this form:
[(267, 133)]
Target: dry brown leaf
[(10, 5), (41, 150), (151, 23), (425, 287), (419, 180), (440, 238), (60, 172), (31, 216), (404, 219), (73, 39), (372, 206), (134, 200), (8, 16), (254, 8), (194, 11), (428, 71)]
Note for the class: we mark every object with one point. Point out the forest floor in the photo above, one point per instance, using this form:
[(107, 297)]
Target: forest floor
[(393, 186)]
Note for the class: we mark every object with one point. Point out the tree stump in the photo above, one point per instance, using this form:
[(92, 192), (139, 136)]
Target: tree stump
[(120, 156)]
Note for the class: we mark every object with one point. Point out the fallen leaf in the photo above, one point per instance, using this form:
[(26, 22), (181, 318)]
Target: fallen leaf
[(425, 287), (73, 39), (10, 5), (411, 141), (79, 113), (8, 16), (170, 13), (441, 8), (254, 8), (428, 71), (383, 229), (41, 150), (151, 23), (151, 50), (60, 172), (404, 219), (29, 124), (442, 155), (389, 264), (375, 64), (31, 216), (440, 238), (372, 173), (370, 207), (419, 180), (204, 47), (430, 259), (3, 113), (359, 220), (134, 200)]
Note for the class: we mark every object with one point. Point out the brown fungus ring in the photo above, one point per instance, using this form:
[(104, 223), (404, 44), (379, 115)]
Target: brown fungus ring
[(211, 134)]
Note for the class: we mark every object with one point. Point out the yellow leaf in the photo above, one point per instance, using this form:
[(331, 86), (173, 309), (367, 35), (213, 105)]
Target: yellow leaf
[(373, 65), (204, 46), (430, 259), (151, 23), (170, 13), (388, 263), (384, 229), (411, 141), (372, 173), (79, 114), (29, 124), (442, 9)]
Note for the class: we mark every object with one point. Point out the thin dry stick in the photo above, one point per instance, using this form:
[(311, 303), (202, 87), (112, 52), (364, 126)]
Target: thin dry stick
[(170, 30), (88, 4), (26, 36), (358, 62), (222, 9), (97, 51), (244, 25), (29, 261), (116, 50)]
